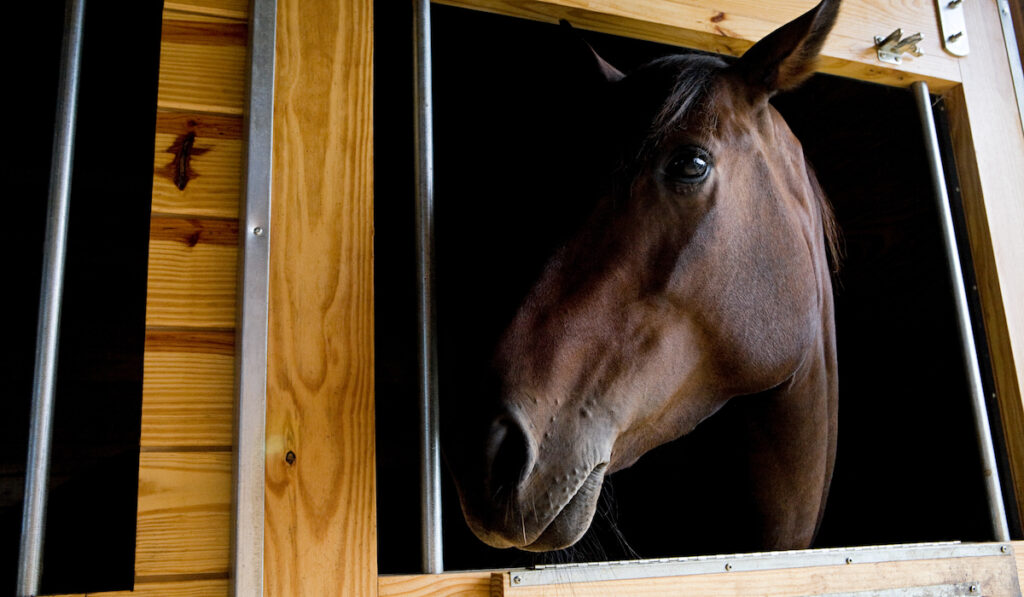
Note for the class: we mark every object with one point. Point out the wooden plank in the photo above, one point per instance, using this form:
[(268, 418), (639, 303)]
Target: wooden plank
[(184, 513), (452, 584), (731, 26), (232, 9), (320, 483), (198, 165), (202, 66), (989, 148), (174, 588), (188, 388), (192, 273), (995, 577)]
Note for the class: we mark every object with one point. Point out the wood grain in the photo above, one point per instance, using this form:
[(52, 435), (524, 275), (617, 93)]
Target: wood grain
[(215, 165), (192, 273), (188, 388), (184, 512), (179, 588), (989, 148), (320, 509), (731, 26), (202, 66), (452, 584), (232, 9), (996, 576)]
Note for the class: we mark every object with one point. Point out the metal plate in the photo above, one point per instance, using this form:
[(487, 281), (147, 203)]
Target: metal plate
[(607, 571), (954, 29)]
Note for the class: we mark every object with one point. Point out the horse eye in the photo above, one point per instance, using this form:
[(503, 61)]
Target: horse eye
[(690, 166)]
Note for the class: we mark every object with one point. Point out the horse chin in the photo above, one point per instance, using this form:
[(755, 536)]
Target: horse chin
[(574, 519)]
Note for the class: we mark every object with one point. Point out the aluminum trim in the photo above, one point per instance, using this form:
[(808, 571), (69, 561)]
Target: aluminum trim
[(33, 522), (1013, 54), (983, 432), (631, 570), (251, 331)]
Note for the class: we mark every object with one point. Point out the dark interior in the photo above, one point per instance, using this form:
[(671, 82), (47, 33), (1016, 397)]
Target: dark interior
[(90, 532), (512, 122)]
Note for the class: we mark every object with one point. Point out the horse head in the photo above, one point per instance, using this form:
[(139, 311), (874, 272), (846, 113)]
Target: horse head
[(701, 275)]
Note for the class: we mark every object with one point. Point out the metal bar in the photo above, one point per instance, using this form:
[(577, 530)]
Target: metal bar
[(254, 272), (33, 521), (430, 464), (993, 490), (1013, 54)]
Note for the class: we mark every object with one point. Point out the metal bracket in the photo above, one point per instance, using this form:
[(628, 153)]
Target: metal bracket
[(954, 30), (891, 47)]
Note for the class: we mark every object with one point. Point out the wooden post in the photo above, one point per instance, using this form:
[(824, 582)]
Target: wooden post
[(320, 508)]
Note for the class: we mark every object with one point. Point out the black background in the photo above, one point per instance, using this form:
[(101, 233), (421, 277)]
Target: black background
[(90, 532)]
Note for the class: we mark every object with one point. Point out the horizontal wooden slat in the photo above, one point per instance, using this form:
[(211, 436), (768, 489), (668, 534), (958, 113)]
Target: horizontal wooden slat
[(202, 66), (188, 388), (184, 503), (181, 588), (197, 168), (192, 273), (731, 26), (462, 584), (232, 9)]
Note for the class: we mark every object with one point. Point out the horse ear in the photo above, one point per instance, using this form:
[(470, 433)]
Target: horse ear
[(600, 67), (787, 56)]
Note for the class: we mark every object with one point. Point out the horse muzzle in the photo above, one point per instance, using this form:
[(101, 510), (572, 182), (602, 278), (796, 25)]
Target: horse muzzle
[(538, 494)]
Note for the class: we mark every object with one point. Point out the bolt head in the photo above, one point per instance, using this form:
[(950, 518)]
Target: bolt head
[(728, 566), (517, 579), (258, 231)]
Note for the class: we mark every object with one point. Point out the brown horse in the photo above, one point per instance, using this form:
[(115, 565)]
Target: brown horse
[(702, 275)]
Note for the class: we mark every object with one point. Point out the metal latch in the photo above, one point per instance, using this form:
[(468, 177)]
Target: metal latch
[(954, 30), (891, 47)]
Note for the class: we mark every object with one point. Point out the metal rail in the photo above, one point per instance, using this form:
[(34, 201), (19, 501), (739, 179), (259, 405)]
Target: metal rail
[(254, 272), (430, 464), (993, 490), (44, 382)]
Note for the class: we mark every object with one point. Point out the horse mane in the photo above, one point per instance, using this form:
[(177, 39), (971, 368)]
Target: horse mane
[(833, 234)]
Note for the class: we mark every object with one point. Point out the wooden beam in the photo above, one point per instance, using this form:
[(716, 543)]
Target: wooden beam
[(230, 9), (172, 588), (989, 147), (731, 26), (451, 584), (320, 483)]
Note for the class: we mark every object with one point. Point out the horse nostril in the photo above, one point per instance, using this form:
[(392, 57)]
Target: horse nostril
[(509, 455)]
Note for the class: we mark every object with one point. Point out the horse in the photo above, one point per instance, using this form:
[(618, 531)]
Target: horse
[(702, 275)]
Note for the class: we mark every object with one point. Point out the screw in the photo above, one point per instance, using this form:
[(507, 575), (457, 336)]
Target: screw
[(517, 579), (956, 36), (258, 231), (974, 588), (728, 567), (1004, 549), (849, 560)]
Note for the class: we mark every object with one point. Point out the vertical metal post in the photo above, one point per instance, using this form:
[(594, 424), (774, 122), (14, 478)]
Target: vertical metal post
[(430, 465), (251, 341), (33, 521), (983, 432)]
